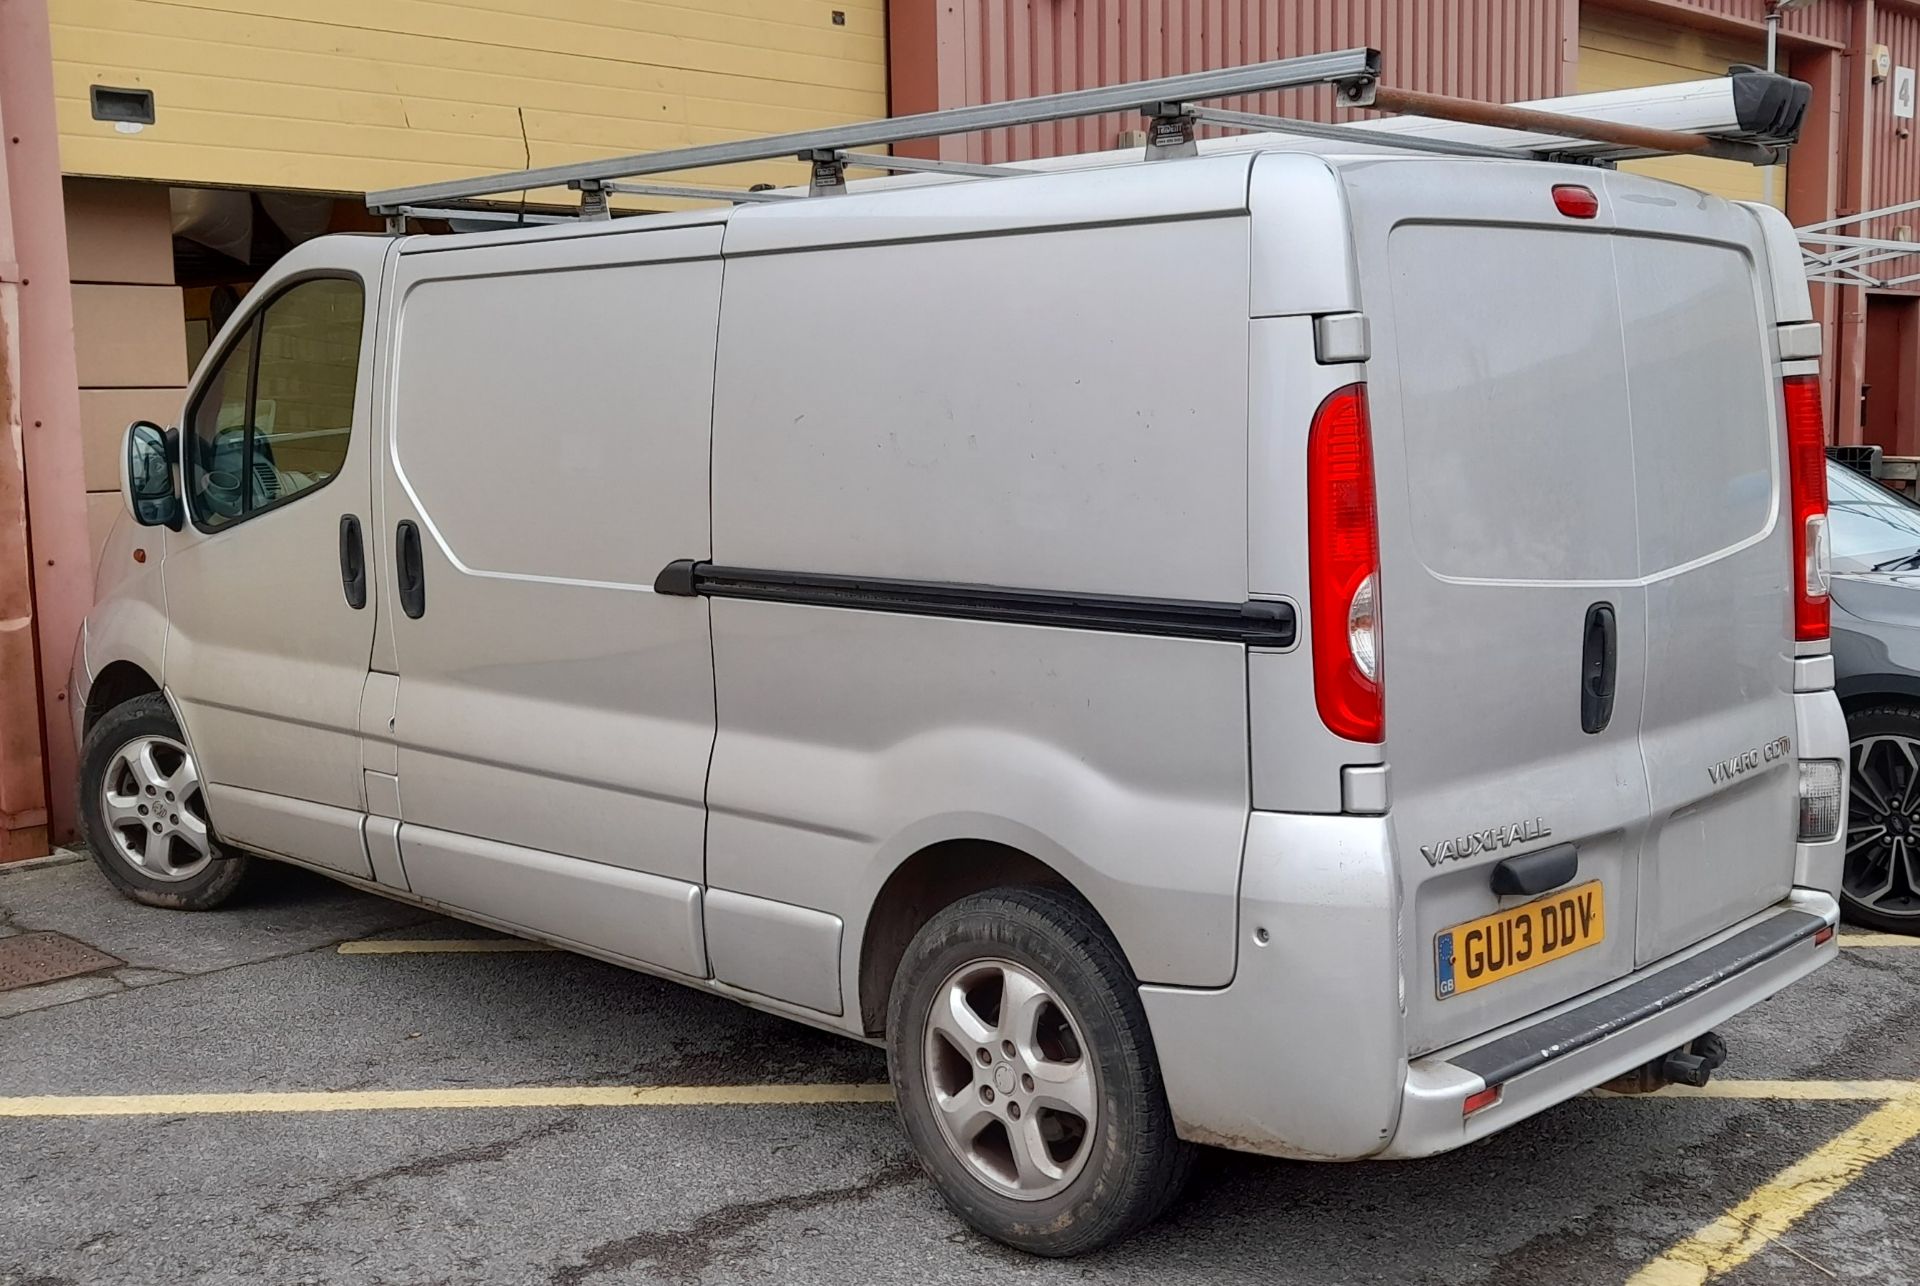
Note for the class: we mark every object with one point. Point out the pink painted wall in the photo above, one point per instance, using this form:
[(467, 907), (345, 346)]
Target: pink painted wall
[(48, 401)]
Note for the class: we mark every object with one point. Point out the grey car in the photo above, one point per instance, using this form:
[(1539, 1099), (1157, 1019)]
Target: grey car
[(1876, 655)]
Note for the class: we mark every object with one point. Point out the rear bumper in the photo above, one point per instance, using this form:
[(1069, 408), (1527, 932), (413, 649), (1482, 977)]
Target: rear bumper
[(1304, 1054), (1553, 1056)]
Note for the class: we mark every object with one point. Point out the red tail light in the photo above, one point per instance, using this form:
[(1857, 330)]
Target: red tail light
[(1343, 547), (1807, 484)]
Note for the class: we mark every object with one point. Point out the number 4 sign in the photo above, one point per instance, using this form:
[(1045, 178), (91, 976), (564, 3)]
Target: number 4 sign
[(1903, 92)]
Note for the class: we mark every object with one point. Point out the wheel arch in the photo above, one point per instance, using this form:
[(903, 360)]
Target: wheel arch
[(928, 881), (115, 685)]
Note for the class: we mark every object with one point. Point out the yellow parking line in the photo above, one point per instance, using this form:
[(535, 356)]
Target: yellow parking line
[(413, 946), (1803, 1091), (1778, 1204), (728, 1096), (410, 946), (388, 1100)]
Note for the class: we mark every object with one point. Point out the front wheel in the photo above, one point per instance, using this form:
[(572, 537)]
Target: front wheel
[(1026, 1075), (143, 812), (1880, 884)]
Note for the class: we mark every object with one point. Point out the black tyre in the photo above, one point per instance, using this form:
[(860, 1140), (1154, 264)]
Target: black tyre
[(1026, 1076), (1880, 887), (143, 813)]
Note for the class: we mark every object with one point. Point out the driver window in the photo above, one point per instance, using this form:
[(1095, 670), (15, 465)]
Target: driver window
[(274, 420)]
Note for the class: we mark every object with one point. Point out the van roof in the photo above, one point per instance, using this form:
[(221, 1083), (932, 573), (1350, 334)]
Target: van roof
[(1183, 193)]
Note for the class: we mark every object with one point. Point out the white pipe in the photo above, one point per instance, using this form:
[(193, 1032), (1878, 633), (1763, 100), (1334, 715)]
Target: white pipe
[(1773, 44)]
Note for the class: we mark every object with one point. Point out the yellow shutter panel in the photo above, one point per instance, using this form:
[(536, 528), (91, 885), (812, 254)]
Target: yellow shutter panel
[(1622, 52)]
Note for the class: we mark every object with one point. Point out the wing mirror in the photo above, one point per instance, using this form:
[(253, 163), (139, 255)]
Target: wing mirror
[(146, 475)]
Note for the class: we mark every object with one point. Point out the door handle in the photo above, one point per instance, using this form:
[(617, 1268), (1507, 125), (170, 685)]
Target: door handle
[(412, 576), (1532, 873), (353, 562), (1598, 660)]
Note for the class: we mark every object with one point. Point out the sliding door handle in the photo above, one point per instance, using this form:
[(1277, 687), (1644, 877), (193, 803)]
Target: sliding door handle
[(411, 574), (353, 562)]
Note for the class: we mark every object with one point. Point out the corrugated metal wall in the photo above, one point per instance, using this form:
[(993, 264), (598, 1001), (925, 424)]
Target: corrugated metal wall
[(1001, 49), (950, 53), (1826, 21), (1893, 164)]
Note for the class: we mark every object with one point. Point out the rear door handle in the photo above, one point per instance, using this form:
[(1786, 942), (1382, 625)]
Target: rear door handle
[(1537, 872), (411, 575), (353, 562), (1599, 658)]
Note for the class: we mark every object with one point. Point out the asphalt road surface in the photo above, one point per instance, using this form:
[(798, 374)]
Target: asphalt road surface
[(484, 1129)]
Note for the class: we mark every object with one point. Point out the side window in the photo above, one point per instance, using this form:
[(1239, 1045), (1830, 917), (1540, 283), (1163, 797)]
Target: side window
[(274, 420)]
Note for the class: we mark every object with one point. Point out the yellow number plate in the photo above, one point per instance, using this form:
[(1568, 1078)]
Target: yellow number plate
[(1513, 941)]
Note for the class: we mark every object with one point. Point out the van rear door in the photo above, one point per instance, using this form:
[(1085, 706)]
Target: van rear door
[(1575, 440)]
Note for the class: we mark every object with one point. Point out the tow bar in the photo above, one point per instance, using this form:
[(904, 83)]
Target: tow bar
[(1692, 1064)]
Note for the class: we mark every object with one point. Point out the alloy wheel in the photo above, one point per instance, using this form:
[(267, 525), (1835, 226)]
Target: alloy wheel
[(155, 811), (1011, 1080), (1883, 826)]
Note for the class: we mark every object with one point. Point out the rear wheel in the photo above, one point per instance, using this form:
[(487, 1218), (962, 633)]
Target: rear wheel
[(1026, 1075), (143, 812), (1880, 887)]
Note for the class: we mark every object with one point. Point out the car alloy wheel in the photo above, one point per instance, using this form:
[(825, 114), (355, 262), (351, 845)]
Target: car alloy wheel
[(1883, 826), (156, 816), (1010, 1080)]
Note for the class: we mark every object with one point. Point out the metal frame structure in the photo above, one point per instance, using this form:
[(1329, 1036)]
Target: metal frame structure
[(1172, 104), (1840, 258)]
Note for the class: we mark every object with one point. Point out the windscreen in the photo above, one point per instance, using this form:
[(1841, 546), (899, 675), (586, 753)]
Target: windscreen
[(1872, 527)]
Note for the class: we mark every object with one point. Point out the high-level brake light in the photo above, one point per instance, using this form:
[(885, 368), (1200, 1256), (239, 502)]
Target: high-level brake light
[(1575, 201)]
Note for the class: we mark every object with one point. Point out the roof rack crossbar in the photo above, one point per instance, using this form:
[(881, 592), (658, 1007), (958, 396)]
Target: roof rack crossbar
[(695, 193), (1352, 134), (1354, 72), (479, 214), (921, 165)]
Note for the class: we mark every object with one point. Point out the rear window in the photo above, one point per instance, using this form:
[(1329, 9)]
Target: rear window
[(1578, 406)]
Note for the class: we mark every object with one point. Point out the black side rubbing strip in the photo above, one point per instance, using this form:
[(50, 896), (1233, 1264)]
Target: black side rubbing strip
[(1530, 1047), (676, 578), (1256, 624)]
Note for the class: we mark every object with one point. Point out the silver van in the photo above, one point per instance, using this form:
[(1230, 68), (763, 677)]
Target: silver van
[(1320, 652)]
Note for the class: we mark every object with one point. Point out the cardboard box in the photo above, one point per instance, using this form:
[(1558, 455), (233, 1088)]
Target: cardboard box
[(129, 336), (105, 414), (119, 232)]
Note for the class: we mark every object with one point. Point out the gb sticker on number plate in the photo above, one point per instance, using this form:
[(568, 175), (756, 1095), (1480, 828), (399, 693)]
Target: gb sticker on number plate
[(1500, 945)]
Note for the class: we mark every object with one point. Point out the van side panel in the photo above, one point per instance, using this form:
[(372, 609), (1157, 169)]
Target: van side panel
[(1059, 410), (851, 740), (549, 437), (1088, 384)]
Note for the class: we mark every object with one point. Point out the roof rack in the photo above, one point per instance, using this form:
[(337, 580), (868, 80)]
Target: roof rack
[(1766, 114)]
